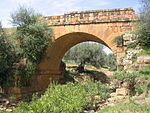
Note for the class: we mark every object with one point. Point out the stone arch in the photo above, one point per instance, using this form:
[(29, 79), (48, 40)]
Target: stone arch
[(50, 64)]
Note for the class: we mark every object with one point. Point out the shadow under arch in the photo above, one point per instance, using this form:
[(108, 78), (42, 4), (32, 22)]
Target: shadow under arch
[(54, 54)]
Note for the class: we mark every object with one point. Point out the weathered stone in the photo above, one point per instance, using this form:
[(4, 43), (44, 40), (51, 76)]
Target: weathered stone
[(127, 62), (113, 94), (8, 110), (126, 85), (90, 111), (122, 92), (97, 99), (115, 84), (143, 59), (129, 37)]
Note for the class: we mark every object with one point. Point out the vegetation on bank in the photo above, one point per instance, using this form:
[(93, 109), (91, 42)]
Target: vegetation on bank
[(68, 98), (138, 81), (30, 39)]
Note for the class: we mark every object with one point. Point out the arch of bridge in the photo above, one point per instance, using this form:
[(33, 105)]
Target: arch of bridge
[(100, 26)]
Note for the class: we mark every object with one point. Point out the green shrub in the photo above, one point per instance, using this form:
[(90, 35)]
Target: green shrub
[(132, 45), (69, 98), (139, 89), (144, 37), (120, 67), (130, 77), (145, 72), (119, 40), (145, 51), (113, 68), (6, 57)]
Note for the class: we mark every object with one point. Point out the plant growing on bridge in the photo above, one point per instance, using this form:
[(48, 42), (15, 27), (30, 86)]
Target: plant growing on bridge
[(33, 36), (119, 40)]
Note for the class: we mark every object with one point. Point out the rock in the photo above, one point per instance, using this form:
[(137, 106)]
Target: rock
[(111, 100), (111, 104), (3, 108), (129, 37), (4, 102), (115, 84), (97, 99), (113, 94), (143, 59), (91, 111), (122, 92), (8, 110), (140, 81), (126, 85)]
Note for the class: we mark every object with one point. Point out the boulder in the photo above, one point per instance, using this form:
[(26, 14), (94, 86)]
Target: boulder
[(143, 60), (115, 84), (122, 91)]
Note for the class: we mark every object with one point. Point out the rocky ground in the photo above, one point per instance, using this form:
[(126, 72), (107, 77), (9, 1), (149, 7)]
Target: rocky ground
[(6, 104), (120, 93)]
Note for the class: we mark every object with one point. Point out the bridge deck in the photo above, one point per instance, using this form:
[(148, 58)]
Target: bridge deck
[(93, 16)]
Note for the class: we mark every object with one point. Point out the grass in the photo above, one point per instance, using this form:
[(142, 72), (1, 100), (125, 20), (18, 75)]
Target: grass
[(126, 108), (145, 51)]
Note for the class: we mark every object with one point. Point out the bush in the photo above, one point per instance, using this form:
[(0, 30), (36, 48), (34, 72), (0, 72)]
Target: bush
[(6, 57), (139, 89), (69, 98), (145, 72), (130, 77), (145, 51), (132, 45), (34, 36), (119, 40)]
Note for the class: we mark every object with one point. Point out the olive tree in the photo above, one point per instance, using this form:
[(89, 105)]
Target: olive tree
[(84, 53), (144, 24)]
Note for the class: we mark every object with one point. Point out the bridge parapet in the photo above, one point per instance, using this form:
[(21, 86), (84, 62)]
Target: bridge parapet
[(93, 17)]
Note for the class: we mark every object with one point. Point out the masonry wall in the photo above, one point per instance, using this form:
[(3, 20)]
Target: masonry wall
[(95, 16)]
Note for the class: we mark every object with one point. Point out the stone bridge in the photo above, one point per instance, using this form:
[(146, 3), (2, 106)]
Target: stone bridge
[(100, 26)]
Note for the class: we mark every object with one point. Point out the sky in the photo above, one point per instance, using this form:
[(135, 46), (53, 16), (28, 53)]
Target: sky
[(59, 7)]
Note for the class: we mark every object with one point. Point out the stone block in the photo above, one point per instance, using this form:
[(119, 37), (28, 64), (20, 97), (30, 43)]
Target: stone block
[(122, 92), (126, 85), (113, 94), (143, 60)]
